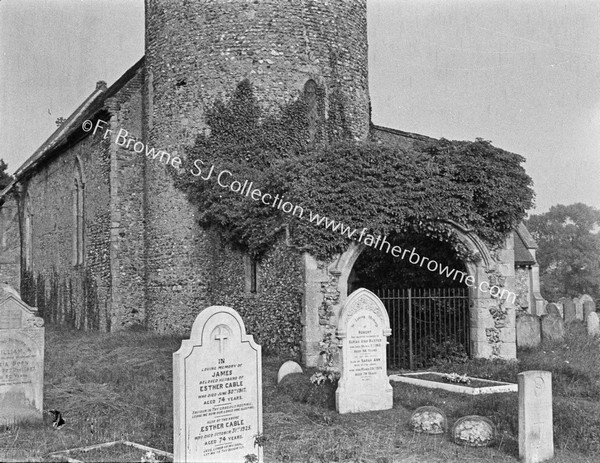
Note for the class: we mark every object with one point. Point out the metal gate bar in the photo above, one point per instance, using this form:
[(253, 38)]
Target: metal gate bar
[(428, 325)]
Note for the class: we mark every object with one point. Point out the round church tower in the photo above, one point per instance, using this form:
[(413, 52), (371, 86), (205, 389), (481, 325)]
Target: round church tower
[(198, 51)]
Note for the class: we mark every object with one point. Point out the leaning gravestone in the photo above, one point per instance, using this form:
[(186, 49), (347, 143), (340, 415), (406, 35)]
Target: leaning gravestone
[(593, 324), (528, 330), (536, 441), (552, 309), (570, 311), (21, 361), (588, 308), (363, 327), (553, 327), (217, 391)]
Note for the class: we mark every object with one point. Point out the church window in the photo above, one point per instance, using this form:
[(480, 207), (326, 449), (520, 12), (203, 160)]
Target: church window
[(251, 271), (27, 234), (78, 214), (311, 100)]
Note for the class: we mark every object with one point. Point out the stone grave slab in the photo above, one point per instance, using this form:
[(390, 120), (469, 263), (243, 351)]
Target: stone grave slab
[(536, 440), (21, 361), (552, 309), (217, 391), (363, 327), (287, 368), (474, 431), (569, 310), (578, 308), (528, 330), (553, 327), (588, 308), (593, 324)]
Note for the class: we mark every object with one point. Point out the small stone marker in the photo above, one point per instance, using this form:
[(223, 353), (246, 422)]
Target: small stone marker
[(593, 324), (528, 330), (569, 309), (588, 308), (578, 308), (474, 431), (287, 368), (553, 327), (363, 327), (536, 441), (428, 420), (217, 390), (552, 309), (21, 361)]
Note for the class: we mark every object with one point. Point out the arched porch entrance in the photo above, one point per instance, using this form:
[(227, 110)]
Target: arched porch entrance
[(490, 322)]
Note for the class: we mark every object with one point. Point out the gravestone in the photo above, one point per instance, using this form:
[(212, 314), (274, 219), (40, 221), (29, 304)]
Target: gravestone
[(593, 324), (569, 308), (536, 441), (585, 297), (21, 361), (528, 330), (474, 431), (217, 391), (552, 309), (560, 305), (553, 327), (588, 308), (578, 308), (287, 368), (428, 420), (363, 327)]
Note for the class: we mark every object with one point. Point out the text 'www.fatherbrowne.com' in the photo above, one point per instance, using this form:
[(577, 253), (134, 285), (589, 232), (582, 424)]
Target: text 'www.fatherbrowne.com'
[(225, 179)]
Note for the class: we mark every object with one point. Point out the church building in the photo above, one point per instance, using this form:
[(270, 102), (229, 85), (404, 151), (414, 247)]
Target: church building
[(98, 237)]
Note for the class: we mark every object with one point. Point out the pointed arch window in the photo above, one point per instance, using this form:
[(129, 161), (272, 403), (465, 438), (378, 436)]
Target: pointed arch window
[(311, 99), (78, 213), (27, 234)]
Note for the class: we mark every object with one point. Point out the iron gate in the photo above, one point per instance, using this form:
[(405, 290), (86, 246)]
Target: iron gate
[(428, 325)]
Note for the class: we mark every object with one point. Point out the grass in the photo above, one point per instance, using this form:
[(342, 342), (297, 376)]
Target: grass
[(119, 387)]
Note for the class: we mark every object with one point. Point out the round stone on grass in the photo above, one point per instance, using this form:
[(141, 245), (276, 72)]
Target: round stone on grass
[(474, 431), (429, 420)]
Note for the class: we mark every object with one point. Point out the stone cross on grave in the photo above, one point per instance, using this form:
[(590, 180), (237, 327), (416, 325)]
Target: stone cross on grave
[(221, 336)]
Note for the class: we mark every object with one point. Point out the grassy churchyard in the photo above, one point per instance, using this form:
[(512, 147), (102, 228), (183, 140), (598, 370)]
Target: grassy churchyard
[(113, 387)]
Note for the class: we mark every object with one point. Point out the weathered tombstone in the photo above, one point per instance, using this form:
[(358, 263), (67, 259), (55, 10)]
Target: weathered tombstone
[(588, 308), (569, 308), (578, 308), (217, 390), (593, 324), (21, 361), (552, 309), (585, 297), (287, 368), (560, 304), (528, 330), (363, 327), (474, 431), (428, 420), (536, 441), (553, 327)]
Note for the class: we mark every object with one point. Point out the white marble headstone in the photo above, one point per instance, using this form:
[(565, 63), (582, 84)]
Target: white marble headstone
[(217, 391), (21, 361), (363, 327), (536, 440)]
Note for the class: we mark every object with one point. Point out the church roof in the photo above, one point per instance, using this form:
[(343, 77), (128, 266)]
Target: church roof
[(523, 243), (70, 131)]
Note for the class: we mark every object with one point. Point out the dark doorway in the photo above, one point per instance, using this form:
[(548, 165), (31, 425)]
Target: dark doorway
[(429, 312)]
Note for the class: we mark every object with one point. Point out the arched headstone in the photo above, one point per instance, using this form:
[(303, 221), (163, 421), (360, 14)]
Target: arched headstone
[(363, 327), (287, 368)]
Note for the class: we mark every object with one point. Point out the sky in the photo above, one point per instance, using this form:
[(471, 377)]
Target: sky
[(524, 74)]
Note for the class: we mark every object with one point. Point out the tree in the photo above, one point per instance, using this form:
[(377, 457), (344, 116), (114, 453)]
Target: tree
[(5, 177), (569, 250)]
